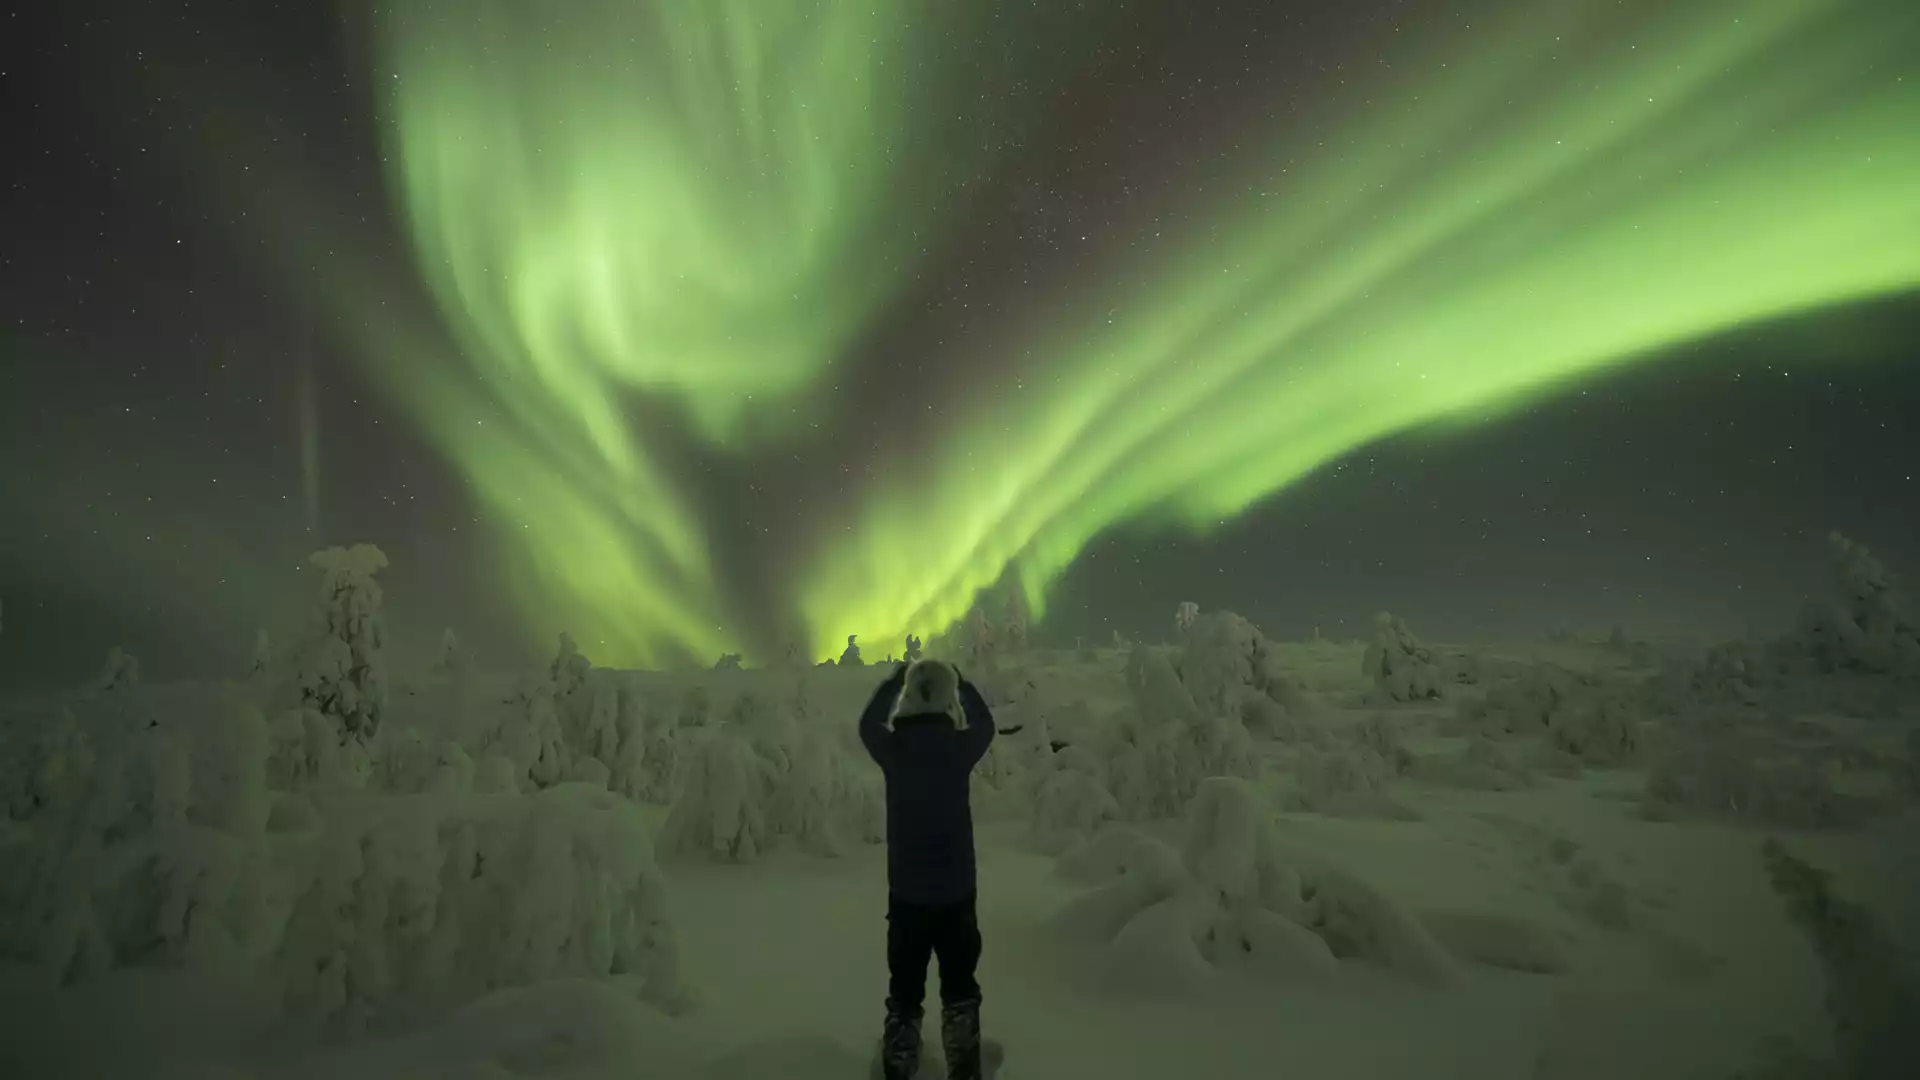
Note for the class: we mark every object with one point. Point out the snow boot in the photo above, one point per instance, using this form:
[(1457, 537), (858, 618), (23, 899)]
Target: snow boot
[(900, 1043), (960, 1038)]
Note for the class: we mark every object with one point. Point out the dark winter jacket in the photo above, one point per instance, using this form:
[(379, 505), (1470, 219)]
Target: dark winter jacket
[(927, 760)]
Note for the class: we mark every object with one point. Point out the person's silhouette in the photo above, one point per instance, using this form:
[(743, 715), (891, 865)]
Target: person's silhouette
[(927, 727)]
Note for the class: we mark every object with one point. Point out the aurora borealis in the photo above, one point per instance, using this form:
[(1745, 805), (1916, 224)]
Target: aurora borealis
[(1504, 223), (1441, 263), (654, 242)]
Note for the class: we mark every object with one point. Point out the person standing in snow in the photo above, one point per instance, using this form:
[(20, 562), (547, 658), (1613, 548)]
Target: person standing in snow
[(926, 728)]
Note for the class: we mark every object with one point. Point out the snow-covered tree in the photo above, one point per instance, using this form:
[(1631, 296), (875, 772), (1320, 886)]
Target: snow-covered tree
[(1601, 728), (62, 769), (1870, 628), (406, 760), (569, 668), (1071, 801), (648, 763), (804, 804), (1184, 616), (1143, 768), (721, 813), (449, 659), (860, 799), (342, 674), (1167, 743), (453, 771), (727, 662), (851, 656), (1396, 662), (1226, 663), (1015, 620), (533, 740), (230, 790), (696, 708), (767, 724), (497, 774), (599, 736), (982, 645), (912, 653), (262, 653), (121, 671)]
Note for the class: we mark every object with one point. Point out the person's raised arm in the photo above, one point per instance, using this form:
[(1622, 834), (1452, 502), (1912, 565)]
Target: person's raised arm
[(979, 733), (873, 719)]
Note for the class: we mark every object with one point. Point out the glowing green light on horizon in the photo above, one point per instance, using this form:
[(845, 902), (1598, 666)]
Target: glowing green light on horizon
[(1527, 218)]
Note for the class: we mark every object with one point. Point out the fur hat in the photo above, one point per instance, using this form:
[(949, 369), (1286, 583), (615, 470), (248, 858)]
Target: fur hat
[(932, 689)]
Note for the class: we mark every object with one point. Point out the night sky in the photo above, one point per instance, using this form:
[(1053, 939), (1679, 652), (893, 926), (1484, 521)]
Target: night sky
[(694, 328)]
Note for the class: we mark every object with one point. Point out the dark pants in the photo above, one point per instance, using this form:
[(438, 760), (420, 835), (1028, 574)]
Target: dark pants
[(918, 932)]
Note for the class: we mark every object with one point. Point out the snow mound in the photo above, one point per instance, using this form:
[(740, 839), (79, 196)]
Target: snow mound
[(1699, 779), (1233, 897), (1481, 765), (1583, 718), (1347, 781), (1497, 940), (565, 1027)]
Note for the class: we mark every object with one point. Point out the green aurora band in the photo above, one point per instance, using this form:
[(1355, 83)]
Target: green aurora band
[(1568, 192), (1510, 222), (616, 199)]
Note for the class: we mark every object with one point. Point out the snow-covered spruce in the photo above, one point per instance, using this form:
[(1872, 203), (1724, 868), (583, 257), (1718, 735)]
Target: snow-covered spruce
[(1230, 670), (1177, 740), (341, 674), (449, 659), (1869, 627), (646, 766), (568, 671), (1014, 620), (173, 851), (1070, 800), (980, 645), (720, 813), (1398, 664), (1184, 616), (119, 674), (531, 743), (262, 665)]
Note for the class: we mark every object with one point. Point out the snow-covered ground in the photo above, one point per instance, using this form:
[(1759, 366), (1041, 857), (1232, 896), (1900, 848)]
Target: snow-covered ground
[(1221, 856)]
